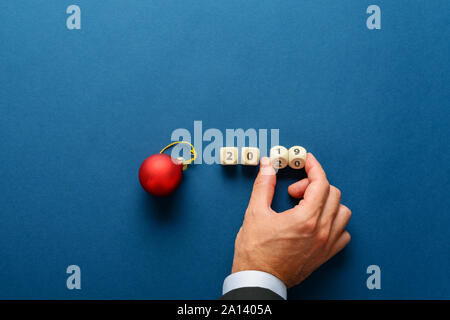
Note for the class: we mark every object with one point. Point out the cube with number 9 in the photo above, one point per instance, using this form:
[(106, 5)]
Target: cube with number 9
[(297, 157)]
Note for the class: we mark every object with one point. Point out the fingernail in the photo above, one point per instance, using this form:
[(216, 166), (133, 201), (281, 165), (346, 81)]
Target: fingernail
[(266, 167), (265, 162)]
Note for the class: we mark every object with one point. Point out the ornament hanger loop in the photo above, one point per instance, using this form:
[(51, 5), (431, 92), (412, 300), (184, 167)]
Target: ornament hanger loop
[(193, 152)]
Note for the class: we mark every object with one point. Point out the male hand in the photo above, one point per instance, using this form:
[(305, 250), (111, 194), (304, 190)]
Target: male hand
[(292, 244)]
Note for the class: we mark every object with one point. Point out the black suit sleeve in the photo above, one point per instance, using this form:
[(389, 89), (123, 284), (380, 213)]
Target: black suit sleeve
[(251, 293)]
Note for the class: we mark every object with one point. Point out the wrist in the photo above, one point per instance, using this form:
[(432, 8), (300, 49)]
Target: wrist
[(254, 278), (242, 268)]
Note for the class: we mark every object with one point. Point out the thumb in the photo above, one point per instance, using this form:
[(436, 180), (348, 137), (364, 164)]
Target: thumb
[(264, 186)]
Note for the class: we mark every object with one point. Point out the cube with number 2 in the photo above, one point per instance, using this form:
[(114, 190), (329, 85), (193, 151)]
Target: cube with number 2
[(279, 156), (228, 156)]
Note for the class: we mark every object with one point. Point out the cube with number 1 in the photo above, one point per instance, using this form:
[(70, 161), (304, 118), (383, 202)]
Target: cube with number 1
[(279, 156)]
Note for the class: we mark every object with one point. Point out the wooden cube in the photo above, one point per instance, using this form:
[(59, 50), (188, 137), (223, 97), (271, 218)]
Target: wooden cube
[(229, 156), (279, 156), (249, 156), (297, 157)]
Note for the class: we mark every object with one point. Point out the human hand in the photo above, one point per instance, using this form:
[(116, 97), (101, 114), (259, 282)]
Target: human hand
[(291, 244)]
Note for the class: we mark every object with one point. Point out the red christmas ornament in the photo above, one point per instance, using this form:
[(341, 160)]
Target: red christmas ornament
[(160, 174)]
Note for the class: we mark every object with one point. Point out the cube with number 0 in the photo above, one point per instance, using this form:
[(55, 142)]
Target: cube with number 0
[(250, 156), (297, 157), (229, 156)]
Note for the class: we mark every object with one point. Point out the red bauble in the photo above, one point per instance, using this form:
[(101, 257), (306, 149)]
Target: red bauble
[(160, 174)]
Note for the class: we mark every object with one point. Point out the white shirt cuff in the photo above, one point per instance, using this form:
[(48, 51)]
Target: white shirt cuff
[(252, 278)]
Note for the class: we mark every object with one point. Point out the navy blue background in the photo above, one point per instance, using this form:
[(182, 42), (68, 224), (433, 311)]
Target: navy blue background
[(81, 109)]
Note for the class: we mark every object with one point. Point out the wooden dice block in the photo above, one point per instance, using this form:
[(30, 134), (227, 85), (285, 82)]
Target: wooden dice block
[(228, 156), (297, 157), (279, 156), (249, 156)]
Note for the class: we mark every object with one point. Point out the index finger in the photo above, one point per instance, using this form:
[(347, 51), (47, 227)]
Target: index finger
[(318, 188), (264, 187)]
